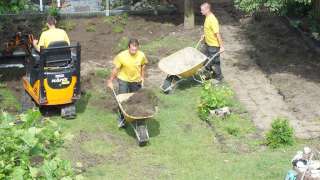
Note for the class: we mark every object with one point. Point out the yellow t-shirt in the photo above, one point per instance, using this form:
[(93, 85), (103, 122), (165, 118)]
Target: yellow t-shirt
[(211, 28), (130, 65), (52, 35)]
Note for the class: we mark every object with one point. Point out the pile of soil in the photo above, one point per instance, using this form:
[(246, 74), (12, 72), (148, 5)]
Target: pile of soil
[(141, 104)]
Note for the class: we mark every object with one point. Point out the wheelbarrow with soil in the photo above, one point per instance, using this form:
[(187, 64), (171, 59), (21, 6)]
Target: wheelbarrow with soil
[(137, 108), (183, 64)]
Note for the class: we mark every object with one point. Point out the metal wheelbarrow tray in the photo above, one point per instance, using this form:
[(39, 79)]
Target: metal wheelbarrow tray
[(137, 122), (186, 63)]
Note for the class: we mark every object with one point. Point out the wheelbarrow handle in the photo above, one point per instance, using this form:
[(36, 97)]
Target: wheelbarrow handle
[(212, 57), (116, 98), (198, 44)]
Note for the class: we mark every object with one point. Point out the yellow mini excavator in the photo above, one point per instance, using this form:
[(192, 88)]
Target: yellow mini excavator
[(53, 78)]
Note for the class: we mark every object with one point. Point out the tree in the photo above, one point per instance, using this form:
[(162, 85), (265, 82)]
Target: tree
[(316, 8), (188, 14), (13, 6), (277, 6)]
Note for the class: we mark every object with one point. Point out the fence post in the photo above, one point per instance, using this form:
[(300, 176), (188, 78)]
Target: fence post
[(107, 7), (41, 5)]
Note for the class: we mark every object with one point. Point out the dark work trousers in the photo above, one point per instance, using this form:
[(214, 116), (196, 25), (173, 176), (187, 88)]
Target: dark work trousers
[(127, 87), (210, 51)]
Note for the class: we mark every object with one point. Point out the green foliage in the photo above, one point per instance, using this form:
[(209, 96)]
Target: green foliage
[(121, 19), (214, 97), (67, 25), (122, 45), (117, 22), (28, 148), (278, 6), (91, 28), (117, 29), (103, 72), (53, 11), (14, 6), (8, 100), (281, 134)]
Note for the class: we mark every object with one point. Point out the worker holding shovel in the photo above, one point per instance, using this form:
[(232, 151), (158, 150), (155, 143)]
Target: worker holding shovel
[(213, 40), (129, 68)]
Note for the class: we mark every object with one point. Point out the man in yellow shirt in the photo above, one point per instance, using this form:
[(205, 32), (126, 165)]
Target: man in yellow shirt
[(129, 68), (53, 34), (213, 40)]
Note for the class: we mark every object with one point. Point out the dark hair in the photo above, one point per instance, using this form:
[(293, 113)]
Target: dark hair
[(51, 20), (134, 42)]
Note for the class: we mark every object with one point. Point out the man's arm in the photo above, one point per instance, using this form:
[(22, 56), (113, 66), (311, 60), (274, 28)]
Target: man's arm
[(35, 45), (218, 35), (142, 74), (112, 77)]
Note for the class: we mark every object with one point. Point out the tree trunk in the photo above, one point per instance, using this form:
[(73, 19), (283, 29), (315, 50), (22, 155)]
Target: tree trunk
[(188, 14), (316, 8)]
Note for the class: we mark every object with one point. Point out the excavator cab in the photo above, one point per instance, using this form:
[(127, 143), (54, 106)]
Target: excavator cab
[(53, 78)]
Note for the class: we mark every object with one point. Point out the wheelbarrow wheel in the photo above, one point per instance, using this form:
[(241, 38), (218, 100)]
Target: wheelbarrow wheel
[(166, 86), (142, 133)]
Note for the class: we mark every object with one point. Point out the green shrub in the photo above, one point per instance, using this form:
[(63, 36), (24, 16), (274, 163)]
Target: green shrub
[(29, 147), (234, 131), (91, 28), (103, 72), (53, 11), (67, 25), (281, 134), (118, 20), (214, 97), (117, 29), (122, 45)]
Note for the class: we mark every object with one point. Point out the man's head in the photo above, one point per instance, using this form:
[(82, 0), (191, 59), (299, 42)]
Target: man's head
[(133, 46), (205, 8), (51, 21)]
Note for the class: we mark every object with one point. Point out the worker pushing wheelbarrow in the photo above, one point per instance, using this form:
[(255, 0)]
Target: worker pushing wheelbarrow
[(190, 62), (186, 63), (129, 72), (136, 118)]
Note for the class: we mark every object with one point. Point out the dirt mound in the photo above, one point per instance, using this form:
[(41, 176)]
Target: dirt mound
[(141, 104)]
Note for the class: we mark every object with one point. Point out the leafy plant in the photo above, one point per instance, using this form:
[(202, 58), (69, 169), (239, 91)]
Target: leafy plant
[(15, 6), (117, 29), (120, 20), (103, 72), (214, 97), (29, 146), (91, 28), (278, 6), (67, 25), (122, 45), (281, 134), (53, 11)]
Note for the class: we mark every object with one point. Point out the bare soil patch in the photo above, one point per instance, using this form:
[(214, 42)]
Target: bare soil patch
[(98, 46)]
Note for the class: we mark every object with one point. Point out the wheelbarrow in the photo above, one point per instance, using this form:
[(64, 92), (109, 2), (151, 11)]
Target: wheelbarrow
[(184, 64), (138, 123)]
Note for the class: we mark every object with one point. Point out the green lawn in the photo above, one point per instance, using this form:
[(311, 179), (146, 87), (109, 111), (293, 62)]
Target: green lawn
[(181, 145), (8, 101)]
